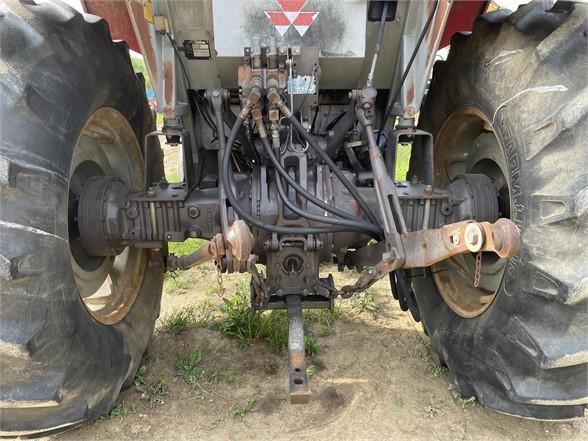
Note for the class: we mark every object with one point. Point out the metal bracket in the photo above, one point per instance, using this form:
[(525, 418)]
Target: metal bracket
[(427, 145), (188, 159)]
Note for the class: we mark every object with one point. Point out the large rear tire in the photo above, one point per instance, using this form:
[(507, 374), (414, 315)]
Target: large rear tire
[(511, 102), (73, 328)]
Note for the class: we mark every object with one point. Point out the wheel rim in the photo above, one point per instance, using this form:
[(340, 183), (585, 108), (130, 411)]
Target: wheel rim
[(107, 146), (467, 143)]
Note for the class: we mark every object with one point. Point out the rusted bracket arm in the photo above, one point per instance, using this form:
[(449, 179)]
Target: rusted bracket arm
[(427, 247)]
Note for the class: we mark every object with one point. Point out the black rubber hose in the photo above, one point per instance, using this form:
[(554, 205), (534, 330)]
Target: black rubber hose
[(373, 230), (247, 216), (301, 190), (311, 141)]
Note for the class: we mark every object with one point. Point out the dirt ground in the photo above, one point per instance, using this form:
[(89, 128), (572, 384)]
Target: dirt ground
[(374, 378)]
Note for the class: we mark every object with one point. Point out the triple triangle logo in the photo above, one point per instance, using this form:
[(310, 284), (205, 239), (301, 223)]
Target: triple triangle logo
[(291, 15)]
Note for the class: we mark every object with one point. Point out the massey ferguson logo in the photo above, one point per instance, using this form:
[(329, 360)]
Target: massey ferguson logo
[(291, 15)]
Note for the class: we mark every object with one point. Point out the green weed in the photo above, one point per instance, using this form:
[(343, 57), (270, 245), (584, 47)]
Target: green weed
[(248, 326), (153, 393), (398, 401), (402, 161), (270, 368), (201, 378), (186, 247), (433, 409), (121, 410), (459, 399), (180, 320), (438, 371), (189, 368), (365, 302), (311, 345), (325, 318), (176, 282), (241, 410)]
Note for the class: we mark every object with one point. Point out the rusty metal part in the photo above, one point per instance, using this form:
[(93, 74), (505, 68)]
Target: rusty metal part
[(239, 241), (236, 244), (203, 254), (260, 296), (298, 384), (427, 247), (467, 141), (386, 191), (159, 55), (218, 252), (388, 264)]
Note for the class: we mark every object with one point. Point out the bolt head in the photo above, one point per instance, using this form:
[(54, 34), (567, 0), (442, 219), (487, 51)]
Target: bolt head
[(193, 212), (455, 239), (474, 237)]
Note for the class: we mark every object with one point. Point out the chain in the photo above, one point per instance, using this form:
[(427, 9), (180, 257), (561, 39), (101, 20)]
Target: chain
[(217, 254), (478, 269), (219, 280)]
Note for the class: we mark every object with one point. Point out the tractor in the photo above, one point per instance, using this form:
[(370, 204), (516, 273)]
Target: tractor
[(289, 115)]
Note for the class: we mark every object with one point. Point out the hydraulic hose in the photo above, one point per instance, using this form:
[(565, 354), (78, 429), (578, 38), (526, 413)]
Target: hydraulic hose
[(301, 190), (247, 216), (312, 142), (374, 230)]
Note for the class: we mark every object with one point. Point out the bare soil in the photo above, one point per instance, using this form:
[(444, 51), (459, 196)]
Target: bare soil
[(375, 378)]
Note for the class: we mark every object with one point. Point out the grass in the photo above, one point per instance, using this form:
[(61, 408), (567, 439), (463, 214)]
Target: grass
[(153, 393), (398, 401), (239, 411), (433, 409), (247, 326), (365, 302), (121, 410), (186, 247), (200, 377), (325, 318), (179, 281), (311, 345), (172, 177), (270, 368), (180, 320), (459, 399), (402, 161), (438, 371), (139, 66)]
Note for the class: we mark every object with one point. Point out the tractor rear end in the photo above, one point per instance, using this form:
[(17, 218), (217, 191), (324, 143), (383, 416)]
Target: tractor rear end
[(289, 115)]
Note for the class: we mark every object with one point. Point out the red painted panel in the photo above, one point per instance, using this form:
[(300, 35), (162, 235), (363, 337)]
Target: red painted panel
[(461, 18), (116, 14)]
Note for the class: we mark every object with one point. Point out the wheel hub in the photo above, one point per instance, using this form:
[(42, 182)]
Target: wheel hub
[(106, 279)]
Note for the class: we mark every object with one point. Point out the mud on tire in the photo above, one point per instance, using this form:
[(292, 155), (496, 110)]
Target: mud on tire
[(58, 365), (527, 354)]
